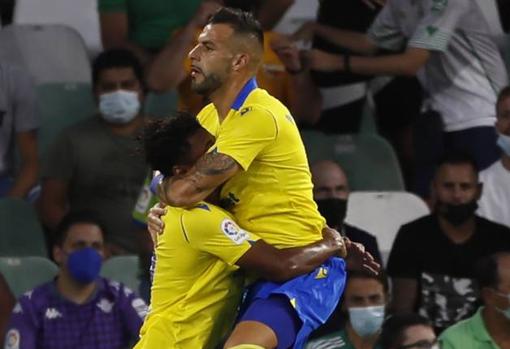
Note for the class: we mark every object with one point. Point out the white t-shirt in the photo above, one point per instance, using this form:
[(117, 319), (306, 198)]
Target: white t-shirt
[(465, 70), (495, 201)]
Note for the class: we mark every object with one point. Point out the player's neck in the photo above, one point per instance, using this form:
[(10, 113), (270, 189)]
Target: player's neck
[(224, 97), (360, 342), (72, 290)]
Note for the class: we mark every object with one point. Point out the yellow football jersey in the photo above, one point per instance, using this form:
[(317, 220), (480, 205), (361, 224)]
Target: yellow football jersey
[(273, 195), (196, 288)]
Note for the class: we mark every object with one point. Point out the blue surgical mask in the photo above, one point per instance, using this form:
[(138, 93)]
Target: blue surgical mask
[(84, 265), (119, 107), (504, 143), (366, 321)]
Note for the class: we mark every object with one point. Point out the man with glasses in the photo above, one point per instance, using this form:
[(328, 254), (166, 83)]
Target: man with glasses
[(490, 326)]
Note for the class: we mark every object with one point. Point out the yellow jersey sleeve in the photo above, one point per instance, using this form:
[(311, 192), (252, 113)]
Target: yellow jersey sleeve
[(212, 230), (246, 134)]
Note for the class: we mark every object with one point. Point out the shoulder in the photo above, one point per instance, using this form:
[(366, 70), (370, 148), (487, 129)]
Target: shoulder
[(122, 297), (417, 225), (36, 298), (354, 232), (488, 173), (496, 228), (82, 129), (461, 330)]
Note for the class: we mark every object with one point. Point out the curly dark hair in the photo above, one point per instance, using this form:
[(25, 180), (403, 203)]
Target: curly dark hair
[(165, 141)]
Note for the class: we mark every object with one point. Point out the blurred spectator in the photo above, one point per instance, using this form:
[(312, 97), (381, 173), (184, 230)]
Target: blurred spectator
[(432, 259), (284, 73), (143, 27), (78, 309), (6, 304), (363, 305), (448, 45), (331, 193), (490, 326), (146, 28), (408, 331), (495, 201), (94, 165), (6, 10), (19, 122)]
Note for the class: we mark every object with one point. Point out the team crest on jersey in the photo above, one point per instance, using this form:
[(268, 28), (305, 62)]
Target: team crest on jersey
[(12, 339), (233, 232), (245, 110), (322, 273)]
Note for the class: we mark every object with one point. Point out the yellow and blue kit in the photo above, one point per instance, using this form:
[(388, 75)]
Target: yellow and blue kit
[(273, 197), (196, 289)]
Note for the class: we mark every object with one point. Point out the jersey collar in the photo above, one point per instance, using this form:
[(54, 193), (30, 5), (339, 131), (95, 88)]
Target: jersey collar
[(241, 97)]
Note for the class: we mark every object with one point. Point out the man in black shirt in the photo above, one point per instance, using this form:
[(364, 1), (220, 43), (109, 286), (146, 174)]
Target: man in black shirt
[(432, 260), (331, 192)]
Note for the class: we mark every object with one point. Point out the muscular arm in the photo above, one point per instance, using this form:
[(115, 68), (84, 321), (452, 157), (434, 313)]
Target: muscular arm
[(354, 41), (210, 171), (27, 176), (404, 64), (283, 264), (405, 295)]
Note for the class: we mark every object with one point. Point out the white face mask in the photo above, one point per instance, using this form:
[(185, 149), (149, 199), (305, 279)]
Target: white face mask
[(366, 321), (505, 312), (504, 143), (119, 107)]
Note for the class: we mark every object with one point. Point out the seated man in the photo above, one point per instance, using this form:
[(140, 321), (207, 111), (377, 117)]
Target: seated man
[(331, 193), (363, 305), (78, 309), (93, 165), (495, 200), (441, 286), (19, 122), (196, 293), (490, 326)]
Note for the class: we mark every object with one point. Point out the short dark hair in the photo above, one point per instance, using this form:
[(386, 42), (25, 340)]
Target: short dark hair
[(240, 21), (77, 217), (503, 94), (487, 270), (362, 274), (244, 5), (393, 328), (116, 58), (457, 157), (165, 141)]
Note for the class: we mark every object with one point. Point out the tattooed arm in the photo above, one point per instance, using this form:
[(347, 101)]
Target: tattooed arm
[(210, 171)]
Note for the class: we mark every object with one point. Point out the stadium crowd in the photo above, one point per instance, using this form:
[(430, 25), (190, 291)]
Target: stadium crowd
[(407, 102)]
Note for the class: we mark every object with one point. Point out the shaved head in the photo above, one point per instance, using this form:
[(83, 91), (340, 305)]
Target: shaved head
[(329, 180)]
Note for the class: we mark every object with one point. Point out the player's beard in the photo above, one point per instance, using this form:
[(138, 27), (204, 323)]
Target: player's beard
[(208, 85)]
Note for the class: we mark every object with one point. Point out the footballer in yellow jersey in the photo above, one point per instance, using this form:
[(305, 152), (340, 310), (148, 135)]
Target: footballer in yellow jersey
[(259, 163), (197, 285)]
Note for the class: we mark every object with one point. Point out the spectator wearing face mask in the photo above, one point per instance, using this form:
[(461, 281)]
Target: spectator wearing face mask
[(94, 165), (363, 305), (432, 260), (331, 193), (78, 309), (490, 326), (495, 201)]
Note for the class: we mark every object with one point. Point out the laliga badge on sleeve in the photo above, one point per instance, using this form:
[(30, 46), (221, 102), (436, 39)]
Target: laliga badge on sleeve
[(233, 232)]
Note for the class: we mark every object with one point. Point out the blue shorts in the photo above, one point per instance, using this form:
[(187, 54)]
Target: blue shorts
[(299, 306)]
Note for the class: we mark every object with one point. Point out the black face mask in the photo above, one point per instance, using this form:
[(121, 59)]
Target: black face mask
[(333, 210), (457, 214)]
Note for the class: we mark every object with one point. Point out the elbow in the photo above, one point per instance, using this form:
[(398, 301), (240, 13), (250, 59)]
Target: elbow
[(178, 199)]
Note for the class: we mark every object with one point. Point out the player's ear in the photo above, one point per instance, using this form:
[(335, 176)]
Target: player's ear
[(240, 61)]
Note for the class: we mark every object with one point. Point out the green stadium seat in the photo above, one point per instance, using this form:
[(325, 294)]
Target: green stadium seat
[(25, 273), (122, 269), (368, 160), (61, 105), (20, 232)]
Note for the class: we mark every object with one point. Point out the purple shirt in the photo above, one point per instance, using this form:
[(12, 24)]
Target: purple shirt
[(43, 319)]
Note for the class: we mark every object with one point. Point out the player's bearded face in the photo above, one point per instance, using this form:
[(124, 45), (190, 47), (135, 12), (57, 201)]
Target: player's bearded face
[(206, 83)]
